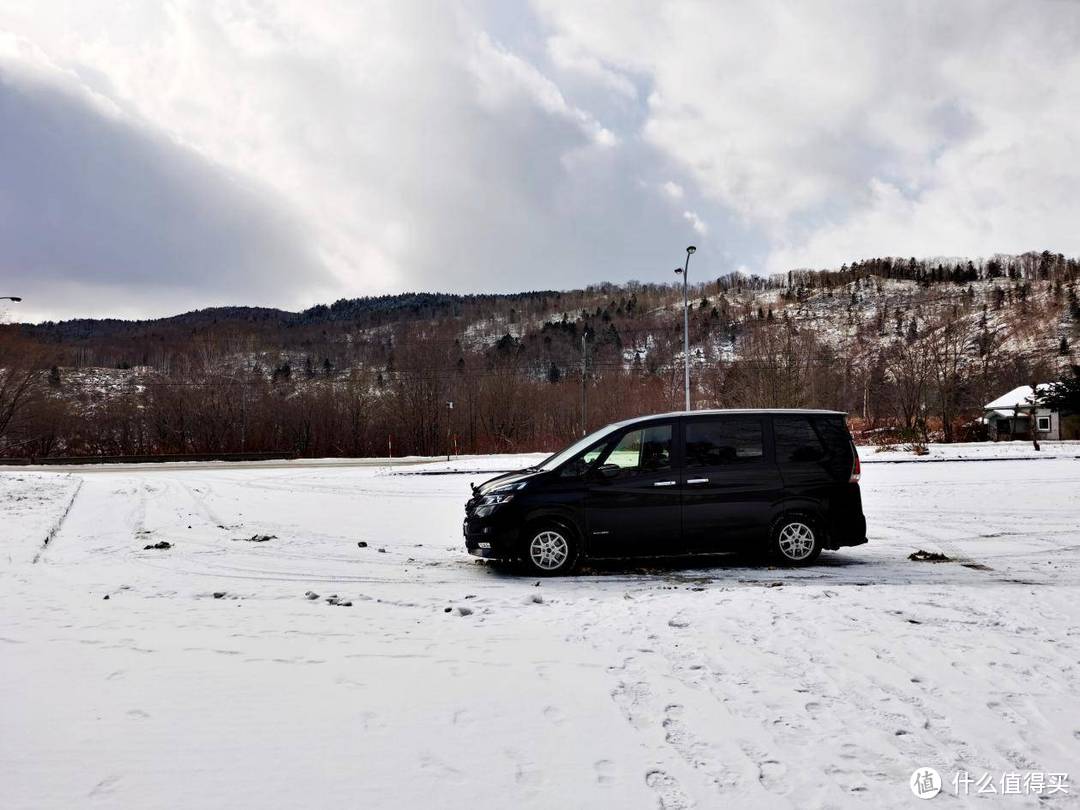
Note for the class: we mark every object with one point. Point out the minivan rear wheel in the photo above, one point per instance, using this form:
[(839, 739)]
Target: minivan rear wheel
[(795, 540), (549, 550)]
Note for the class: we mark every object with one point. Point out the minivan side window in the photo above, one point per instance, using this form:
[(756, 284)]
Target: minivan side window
[(579, 465), (645, 450), (715, 442), (796, 440)]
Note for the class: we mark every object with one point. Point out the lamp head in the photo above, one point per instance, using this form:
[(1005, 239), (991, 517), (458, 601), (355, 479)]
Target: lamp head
[(691, 249), (678, 271)]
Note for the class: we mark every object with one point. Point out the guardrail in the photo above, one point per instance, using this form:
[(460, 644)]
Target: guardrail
[(149, 459)]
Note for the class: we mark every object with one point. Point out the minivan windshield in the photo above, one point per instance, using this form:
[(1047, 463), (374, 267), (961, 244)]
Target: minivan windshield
[(560, 458)]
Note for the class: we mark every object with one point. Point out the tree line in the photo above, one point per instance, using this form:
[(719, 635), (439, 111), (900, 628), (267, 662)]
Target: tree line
[(432, 375)]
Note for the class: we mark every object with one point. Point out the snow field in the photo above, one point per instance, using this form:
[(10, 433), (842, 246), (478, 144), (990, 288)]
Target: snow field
[(209, 678)]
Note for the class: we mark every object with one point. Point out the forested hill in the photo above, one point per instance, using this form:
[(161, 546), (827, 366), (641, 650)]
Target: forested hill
[(908, 347), (367, 311)]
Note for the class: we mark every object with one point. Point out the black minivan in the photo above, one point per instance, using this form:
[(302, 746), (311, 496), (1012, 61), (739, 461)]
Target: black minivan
[(689, 482)]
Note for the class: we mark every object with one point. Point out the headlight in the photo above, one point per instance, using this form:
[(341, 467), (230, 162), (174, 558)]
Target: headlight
[(496, 498), (489, 503)]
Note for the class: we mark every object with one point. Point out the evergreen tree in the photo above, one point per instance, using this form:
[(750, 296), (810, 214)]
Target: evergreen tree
[(282, 372), (1063, 395)]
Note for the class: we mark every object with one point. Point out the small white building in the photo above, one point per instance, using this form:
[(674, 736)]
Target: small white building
[(1010, 416)]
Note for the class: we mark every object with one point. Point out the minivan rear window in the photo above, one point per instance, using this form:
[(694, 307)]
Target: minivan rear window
[(833, 431), (714, 442), (796, 440)]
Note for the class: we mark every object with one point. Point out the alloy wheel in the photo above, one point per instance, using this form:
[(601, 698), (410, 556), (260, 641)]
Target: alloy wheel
[(549, 550), (796, 541)]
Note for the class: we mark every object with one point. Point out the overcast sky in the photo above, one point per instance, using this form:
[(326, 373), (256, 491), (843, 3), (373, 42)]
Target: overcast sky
[(158, 156)]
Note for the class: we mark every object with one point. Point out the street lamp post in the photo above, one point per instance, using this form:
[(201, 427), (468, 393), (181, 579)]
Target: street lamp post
[(684, 272), (584, 371), (449, 416)]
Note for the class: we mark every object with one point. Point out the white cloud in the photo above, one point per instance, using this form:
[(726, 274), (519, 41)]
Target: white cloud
[(673, 190), (103, 212), (502, 77), (566, 56), (696, 223), (413, 148), (471, 146), (847, 130)]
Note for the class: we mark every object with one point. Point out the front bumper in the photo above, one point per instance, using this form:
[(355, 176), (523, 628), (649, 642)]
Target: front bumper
[(484, 537)]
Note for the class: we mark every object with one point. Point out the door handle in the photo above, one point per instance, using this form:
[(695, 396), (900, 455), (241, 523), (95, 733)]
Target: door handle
[(665, 483), (697, 480)]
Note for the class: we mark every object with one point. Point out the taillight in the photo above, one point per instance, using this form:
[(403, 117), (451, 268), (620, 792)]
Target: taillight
[(856, 468)]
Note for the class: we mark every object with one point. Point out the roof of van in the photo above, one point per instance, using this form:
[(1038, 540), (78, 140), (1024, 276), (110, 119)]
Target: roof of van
[(735, 411)]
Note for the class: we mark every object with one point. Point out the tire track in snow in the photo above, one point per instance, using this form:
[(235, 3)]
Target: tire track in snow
[(60, 521), (208, 514)]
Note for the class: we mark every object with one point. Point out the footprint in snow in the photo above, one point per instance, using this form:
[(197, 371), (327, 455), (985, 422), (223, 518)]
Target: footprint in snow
[(771, 775), (554, 714), (462, 717), (667, 791), (605, 771)]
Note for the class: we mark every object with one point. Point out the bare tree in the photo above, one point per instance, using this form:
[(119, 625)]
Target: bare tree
[(949, 343), (22, 378), (908, 368)]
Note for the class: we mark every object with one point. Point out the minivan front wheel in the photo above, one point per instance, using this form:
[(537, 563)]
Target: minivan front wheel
[(550, 550), (795, 540)]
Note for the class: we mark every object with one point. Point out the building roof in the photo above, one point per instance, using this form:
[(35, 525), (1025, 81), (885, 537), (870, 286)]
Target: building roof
[(1018, 397)]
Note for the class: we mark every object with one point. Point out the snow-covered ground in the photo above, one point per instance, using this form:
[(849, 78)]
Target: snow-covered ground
[(207, 675), (973, 451)]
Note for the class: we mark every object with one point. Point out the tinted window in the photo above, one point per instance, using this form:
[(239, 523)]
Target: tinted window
[(713, 442), (579, 465), (644, 450), (796, 440), (835, 434)]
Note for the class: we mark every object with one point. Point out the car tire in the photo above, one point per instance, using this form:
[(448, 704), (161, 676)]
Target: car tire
[(795, 539), (549, 549)]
